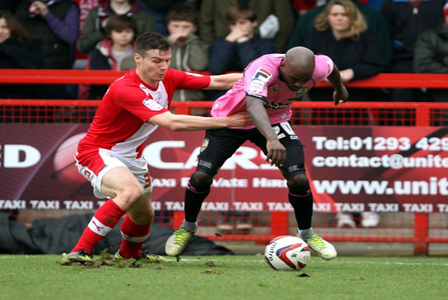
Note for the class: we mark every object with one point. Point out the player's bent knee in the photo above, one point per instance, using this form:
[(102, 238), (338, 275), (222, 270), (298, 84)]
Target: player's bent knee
[(131, 195), (299, 182), (201, 179)]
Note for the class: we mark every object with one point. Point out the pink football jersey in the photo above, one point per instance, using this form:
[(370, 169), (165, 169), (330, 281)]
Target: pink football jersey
[(261, 80)]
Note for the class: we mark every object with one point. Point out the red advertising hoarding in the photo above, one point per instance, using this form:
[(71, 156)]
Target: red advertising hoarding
[(381, 169)]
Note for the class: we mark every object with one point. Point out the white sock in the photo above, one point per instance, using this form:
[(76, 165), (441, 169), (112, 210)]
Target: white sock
[(305, 233), (190, 226)]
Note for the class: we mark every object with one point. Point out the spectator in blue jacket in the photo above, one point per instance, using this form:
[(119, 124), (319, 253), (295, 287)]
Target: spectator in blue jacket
[(236, 50), (56, 23)]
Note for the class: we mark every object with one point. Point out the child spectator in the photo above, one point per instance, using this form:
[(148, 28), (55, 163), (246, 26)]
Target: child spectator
[(94, 30), (189, 52), (236, 50), (18, 50), (114, 53), (275, 18)]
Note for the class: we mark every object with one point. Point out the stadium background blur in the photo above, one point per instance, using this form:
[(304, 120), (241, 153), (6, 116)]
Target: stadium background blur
[(410, 37)]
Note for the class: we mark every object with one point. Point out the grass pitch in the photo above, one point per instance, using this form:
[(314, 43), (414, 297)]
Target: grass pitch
[(225, 277)]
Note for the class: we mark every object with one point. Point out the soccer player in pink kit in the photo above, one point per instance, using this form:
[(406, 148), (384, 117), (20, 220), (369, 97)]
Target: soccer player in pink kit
[(269, 86), (110, 155)]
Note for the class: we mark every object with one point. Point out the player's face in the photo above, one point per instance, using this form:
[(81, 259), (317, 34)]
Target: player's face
[(5, 32), (122, 38), (338, 18), (152, 68), (295, 78)]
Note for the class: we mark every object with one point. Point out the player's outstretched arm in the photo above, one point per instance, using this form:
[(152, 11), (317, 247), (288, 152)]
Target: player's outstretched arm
[(276, 152), (192, 123), (340, 94), (223, 82)]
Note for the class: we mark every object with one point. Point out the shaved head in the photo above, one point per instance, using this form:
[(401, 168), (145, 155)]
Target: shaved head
[(300, 60), (298, 67)]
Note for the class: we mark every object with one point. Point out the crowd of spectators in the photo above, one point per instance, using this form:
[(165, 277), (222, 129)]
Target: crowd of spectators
[(363, 37)]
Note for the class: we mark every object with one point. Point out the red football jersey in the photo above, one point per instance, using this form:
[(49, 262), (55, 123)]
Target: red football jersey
[(121, 121)]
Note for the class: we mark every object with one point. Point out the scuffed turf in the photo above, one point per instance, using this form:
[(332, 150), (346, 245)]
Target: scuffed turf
[(224, 277)]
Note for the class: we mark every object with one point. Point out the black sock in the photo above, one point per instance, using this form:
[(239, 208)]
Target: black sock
[(302, 202), (195, 194)]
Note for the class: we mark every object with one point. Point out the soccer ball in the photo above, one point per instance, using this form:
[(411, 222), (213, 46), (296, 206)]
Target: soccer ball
[(287, 253)]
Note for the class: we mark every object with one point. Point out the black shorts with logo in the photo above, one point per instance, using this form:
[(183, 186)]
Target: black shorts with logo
[(221, 144)]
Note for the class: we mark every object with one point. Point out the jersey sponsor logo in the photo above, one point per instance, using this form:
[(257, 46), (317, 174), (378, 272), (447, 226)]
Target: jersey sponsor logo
[(302, 91), (276, 105), (256, 86), (158, 97), (262, 74), (152, 105), (273, 88)]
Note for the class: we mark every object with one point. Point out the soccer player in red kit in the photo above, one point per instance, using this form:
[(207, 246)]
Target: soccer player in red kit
[(110, 155)]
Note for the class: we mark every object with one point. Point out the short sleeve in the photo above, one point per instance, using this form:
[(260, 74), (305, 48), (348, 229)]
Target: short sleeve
[(189, 81), (135, 101), (323, 68), (256, 81)]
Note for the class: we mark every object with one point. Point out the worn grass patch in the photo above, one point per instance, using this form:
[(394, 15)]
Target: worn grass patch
[(223, 277)]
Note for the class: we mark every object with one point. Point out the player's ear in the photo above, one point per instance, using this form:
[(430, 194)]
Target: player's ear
[(138, 58), (282, 65)]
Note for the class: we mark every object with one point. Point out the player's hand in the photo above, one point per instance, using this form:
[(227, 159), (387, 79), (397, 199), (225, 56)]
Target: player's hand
[(340, 95), (240, 119), (276, 153)]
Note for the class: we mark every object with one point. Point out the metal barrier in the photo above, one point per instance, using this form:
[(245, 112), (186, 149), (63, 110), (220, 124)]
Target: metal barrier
[(418, 229)]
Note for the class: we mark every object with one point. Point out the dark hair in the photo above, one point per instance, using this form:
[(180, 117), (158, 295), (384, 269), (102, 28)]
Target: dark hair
[(183, 12), (240, 11), (15, 27), (120, 23), (149, 41)]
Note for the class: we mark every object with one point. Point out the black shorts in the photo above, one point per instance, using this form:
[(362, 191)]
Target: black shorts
[(221, 144)]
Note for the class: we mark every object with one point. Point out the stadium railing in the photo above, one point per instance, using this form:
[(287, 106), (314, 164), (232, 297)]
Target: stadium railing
[(419, 229)]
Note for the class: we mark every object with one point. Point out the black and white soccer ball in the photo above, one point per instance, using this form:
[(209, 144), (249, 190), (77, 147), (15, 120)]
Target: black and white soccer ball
[(287, 253)]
